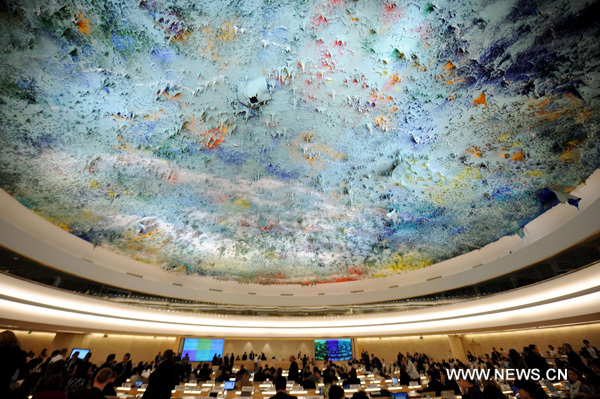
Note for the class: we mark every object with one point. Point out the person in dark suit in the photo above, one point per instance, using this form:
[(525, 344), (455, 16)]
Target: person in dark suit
[(574, 359), (280, 387), (496, 356), (336, 392), (449, 383), (161, 381), (435, 383), (293, 374), (469, 389), (123, 370), (306, 382), (588, 351), (12, 357), (95, 392), (535, 361), (57, 365)]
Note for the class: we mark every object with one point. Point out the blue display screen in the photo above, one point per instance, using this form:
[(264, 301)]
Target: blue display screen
[(334, 349), (202, 349)]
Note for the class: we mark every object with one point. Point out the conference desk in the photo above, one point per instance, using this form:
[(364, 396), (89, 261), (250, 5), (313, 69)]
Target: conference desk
[(263, 390), (370, 383)]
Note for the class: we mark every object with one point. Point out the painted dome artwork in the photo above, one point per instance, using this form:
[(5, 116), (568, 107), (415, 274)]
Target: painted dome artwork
[(301, 142)]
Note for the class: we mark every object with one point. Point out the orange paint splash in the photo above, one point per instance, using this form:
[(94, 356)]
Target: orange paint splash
[(449, 66), (476, 152), (481, 100), (519, 156), (384, 122), (83, 24), (571, 154), (211, 138)]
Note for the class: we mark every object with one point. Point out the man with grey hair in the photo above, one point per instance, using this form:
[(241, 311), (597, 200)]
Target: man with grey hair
[(574, 359)]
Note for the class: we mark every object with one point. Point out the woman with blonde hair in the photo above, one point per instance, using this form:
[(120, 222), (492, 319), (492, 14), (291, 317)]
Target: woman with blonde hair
[(13, 359)]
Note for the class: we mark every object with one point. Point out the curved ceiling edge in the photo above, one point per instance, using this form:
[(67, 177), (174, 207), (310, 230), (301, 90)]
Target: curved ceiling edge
[(561, 227), (574, 295)]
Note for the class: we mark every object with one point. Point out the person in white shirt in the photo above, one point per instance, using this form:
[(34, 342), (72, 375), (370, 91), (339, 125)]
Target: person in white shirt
[(411, 370)]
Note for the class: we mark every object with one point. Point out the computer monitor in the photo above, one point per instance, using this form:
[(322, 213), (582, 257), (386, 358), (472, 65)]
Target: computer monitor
[(82, 352), (229, 385), (400, 395), (394, 380), (139, 383)]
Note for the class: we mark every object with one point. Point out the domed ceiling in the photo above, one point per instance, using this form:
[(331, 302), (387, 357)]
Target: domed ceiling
[(306, 142)]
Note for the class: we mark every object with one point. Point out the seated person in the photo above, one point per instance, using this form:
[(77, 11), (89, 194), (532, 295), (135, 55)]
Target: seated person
[(530, 390), (449, 384), (260, 376), (244, 381), (306, 382), (100, 381), (52, 389), (336, 392), (435, 382), (109, 388), (491, 390), (280, 387), (469, 389), (352, 378)]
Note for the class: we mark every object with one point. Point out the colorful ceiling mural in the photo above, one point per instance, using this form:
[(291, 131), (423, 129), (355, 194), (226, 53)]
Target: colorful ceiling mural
[(294, 141)]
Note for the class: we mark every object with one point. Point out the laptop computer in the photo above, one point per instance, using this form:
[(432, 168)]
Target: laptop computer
[(447, 394)]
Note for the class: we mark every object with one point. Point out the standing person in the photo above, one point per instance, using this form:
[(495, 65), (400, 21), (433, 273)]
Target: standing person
[(123, 370), (161, 381), (293, 374), (411, 369), (110, 362), (13, 359), (57, 364), (80, 375), (32, 364)]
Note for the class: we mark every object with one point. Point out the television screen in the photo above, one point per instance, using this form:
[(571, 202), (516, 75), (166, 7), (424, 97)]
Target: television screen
[(82, 352), (202, 349), (335, 349)]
